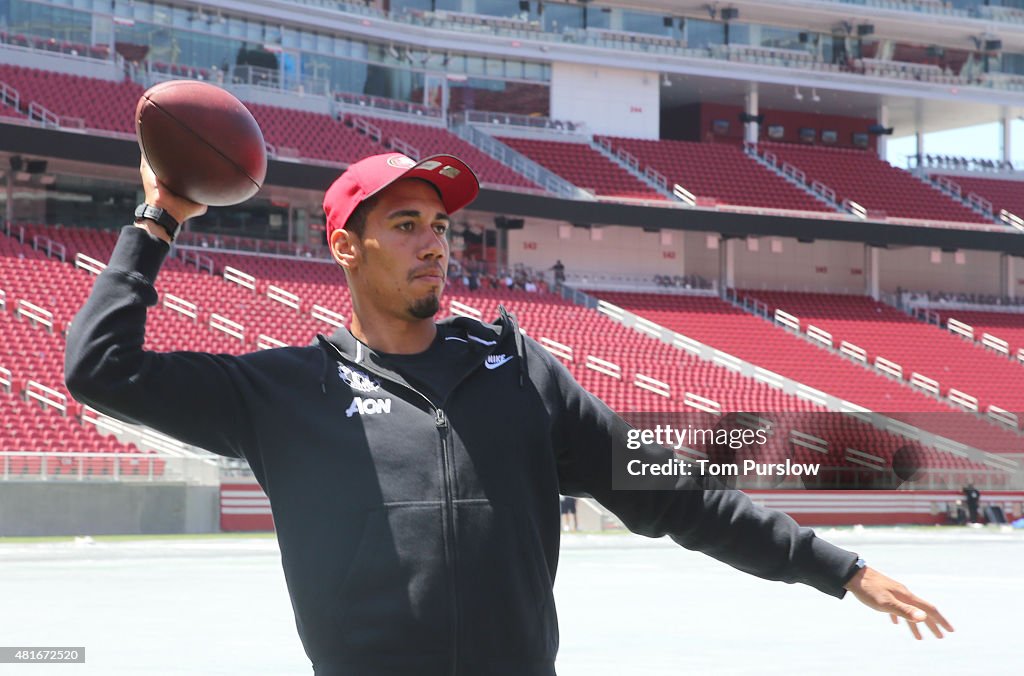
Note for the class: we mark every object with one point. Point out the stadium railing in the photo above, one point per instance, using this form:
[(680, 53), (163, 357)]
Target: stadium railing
[(193, 241), (938, 300), (57, 47), (511, 120), (359, 102), (86, 466)]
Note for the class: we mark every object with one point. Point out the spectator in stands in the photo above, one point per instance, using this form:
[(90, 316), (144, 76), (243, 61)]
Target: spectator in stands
[(413, 466), (559, 273)]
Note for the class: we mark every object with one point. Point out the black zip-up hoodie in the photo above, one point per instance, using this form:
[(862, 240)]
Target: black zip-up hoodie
[(416, 540)]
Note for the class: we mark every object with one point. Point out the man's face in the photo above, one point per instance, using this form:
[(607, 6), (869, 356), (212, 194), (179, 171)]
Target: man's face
[(399, 264)]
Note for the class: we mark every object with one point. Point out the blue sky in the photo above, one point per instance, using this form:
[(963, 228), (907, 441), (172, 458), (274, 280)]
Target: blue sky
[(981, 141)]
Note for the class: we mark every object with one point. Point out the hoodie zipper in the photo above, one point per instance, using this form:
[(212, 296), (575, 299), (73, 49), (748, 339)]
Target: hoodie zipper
[(441, 422), (448, 509)]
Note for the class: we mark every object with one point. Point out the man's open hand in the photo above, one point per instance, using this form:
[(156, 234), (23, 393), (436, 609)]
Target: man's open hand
[(889, 596)]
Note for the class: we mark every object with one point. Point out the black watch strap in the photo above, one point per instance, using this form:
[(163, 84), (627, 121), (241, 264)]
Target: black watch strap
[(160, 217)]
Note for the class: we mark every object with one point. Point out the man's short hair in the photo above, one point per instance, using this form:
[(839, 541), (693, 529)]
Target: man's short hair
[(356, 223)]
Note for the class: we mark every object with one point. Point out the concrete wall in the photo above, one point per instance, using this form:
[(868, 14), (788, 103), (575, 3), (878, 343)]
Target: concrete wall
[(619, 250), (612, 101), (771, 263), (45, 508), (913, 268), (786, 264)]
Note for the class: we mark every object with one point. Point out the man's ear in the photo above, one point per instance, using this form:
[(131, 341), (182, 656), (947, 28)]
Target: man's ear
[(344, 248)]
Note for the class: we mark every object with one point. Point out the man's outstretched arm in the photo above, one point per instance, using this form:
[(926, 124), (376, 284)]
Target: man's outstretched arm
[(702, 516)]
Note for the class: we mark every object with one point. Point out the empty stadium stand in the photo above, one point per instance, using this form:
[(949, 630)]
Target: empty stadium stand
[(76, 100), (719, 324), (1002, 193), (311, 135), (39, 416), (585, 167), (860, 176), (1006, 326), (720, 171), (917, 347)]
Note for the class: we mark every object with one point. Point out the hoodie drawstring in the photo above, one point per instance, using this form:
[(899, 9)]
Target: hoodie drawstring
[(520, 343), (327, 366)]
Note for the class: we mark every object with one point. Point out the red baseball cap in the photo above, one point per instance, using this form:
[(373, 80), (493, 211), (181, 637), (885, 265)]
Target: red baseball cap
[(452, 177)]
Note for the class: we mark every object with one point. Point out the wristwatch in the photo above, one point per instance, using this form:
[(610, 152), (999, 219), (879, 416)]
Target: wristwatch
[(160, 217), (858, 565)]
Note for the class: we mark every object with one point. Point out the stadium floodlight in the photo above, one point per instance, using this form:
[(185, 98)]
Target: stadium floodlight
[(864, 29), (16, 162), (665, 81), (729, 14), (993, 45), (814, 95), (797, 95)]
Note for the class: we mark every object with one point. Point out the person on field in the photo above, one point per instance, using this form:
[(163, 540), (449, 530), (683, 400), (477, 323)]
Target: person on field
[(414, 466)]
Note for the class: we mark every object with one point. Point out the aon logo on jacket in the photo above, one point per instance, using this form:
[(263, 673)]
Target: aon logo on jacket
[(368, 406)]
